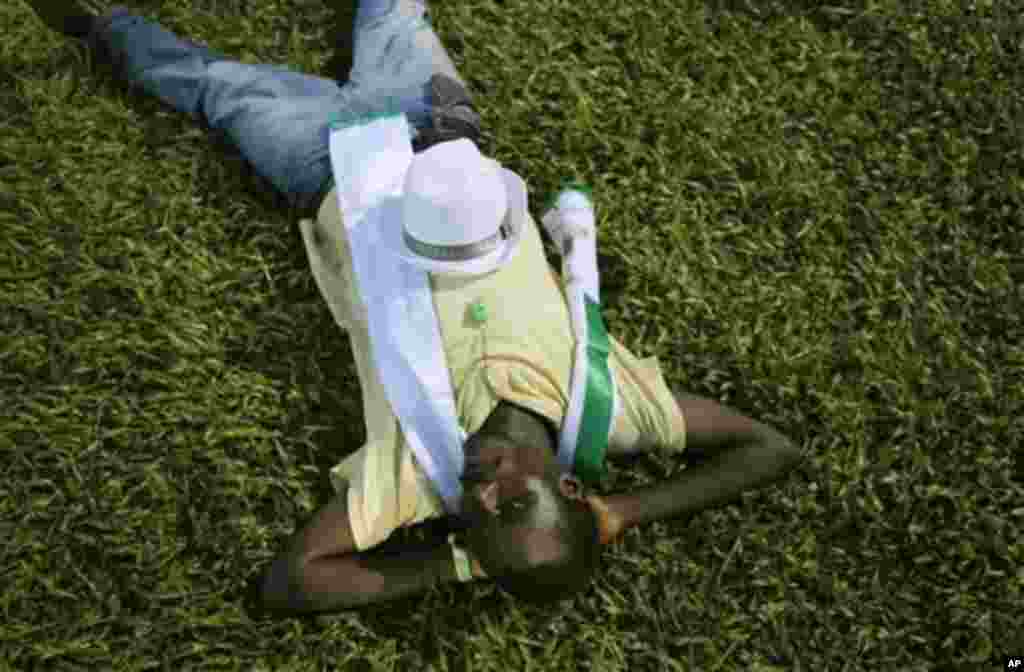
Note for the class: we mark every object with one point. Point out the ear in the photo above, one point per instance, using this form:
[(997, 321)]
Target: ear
[(571, 487)]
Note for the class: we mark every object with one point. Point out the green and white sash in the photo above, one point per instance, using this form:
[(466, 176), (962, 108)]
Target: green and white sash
[(592, 398)]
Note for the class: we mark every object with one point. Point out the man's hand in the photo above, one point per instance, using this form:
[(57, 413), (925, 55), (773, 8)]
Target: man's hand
[(478, 571), (610, 523)]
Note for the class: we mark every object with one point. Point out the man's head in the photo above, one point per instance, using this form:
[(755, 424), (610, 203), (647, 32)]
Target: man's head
[(530, 526)]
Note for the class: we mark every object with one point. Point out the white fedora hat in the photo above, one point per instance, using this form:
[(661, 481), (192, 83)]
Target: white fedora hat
[(460, 213)]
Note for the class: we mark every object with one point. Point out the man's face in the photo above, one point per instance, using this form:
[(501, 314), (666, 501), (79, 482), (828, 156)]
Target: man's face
[(511, 487)]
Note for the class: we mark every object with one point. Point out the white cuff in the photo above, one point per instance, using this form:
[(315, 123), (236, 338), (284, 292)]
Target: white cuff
[(463, 568)]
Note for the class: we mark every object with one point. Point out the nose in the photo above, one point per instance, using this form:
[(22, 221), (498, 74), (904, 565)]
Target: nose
[(488, 496)]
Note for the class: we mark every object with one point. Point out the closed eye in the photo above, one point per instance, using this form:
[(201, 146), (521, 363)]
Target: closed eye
[(515, 509), (513, 506)]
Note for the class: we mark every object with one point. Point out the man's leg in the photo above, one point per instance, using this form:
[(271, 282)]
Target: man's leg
[(399, 60), (278, 118)]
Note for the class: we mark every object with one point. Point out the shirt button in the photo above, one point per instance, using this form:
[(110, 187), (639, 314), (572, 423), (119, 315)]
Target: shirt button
[(478, 312)]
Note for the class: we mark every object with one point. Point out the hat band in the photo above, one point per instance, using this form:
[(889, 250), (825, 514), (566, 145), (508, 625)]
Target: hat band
[(457, 252)]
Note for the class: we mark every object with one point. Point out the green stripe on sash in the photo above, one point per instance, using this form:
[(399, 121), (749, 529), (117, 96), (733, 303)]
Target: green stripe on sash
[(595, 425)]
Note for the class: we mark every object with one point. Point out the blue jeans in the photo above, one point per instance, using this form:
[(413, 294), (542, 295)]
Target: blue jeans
[(276, 117)]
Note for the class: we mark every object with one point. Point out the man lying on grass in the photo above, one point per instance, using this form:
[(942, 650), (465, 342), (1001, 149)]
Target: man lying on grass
[(538, 392)]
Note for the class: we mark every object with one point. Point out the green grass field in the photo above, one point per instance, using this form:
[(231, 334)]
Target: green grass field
[(813, 214)]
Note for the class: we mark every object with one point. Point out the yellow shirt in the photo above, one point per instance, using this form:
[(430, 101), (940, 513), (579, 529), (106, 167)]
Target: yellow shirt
[(523, 353)]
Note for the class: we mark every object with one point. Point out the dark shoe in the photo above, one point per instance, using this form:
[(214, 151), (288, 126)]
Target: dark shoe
[(452, 115), (73, 18), (340, 64)]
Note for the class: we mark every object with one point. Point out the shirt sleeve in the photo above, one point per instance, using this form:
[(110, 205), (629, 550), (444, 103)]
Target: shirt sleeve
[(386, 491), (648, 417)]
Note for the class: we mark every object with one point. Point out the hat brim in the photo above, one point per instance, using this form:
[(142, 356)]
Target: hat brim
[(388, 236)]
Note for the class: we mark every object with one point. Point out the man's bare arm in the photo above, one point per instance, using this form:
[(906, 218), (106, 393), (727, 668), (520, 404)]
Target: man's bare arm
[(321, 570), (734, 454), (338, 582)]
